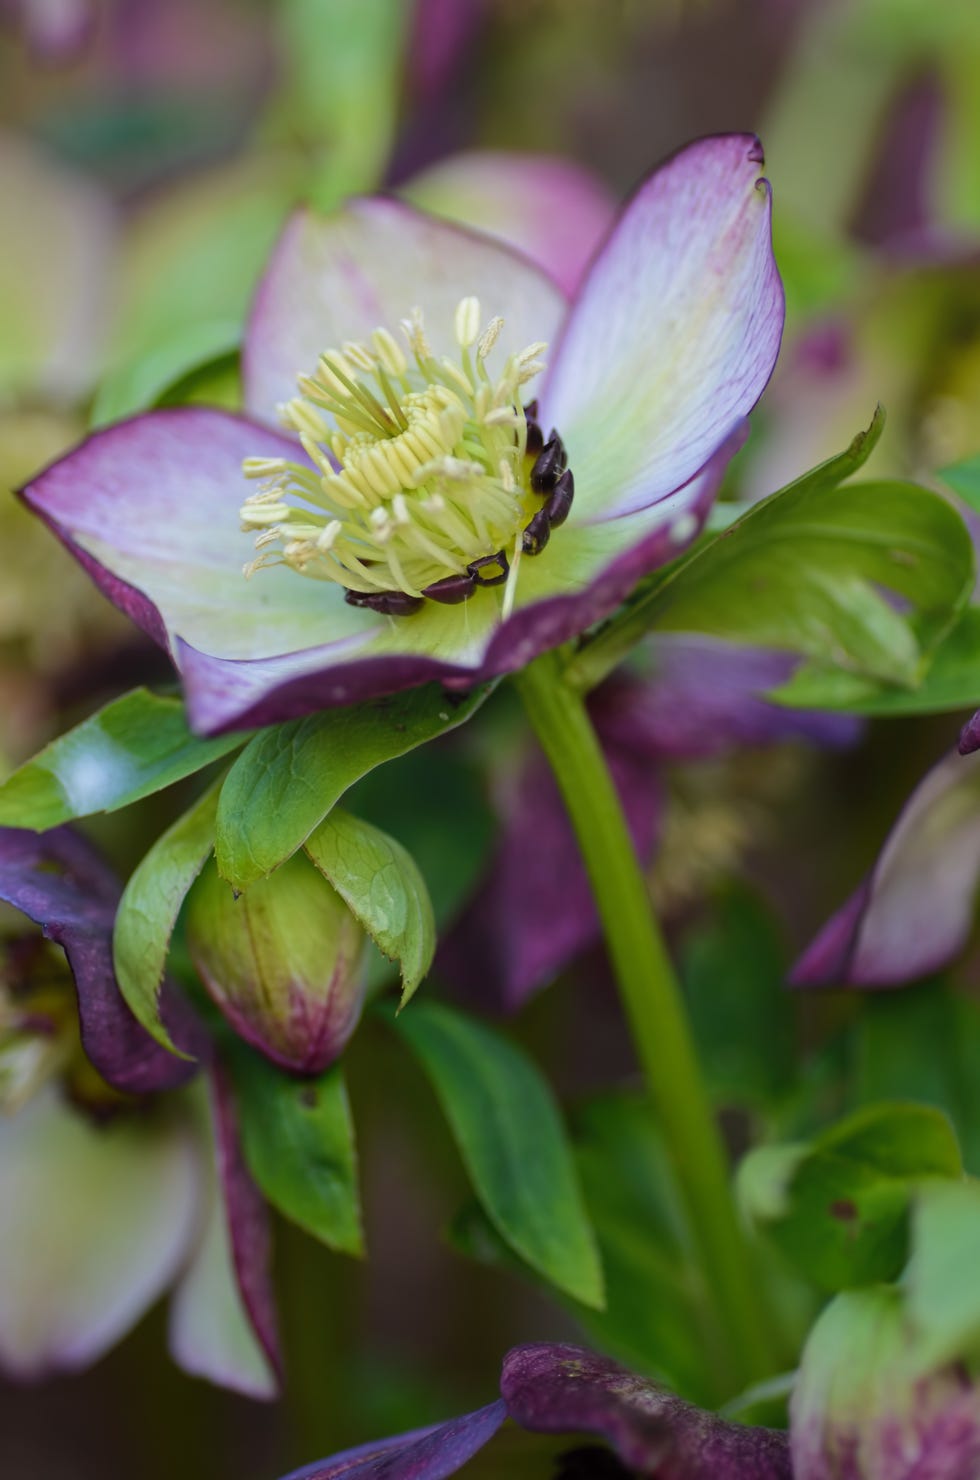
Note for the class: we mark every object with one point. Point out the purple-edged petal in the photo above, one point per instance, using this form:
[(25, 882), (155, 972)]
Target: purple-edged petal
[(534, 913), (549, 208), (567, 1389), (58, 881), (583, 575), (702, 695), (915, 911), (335, 278), (223, 1323), (150, 507), (425, 1454), (94, 1223), (675, 331)]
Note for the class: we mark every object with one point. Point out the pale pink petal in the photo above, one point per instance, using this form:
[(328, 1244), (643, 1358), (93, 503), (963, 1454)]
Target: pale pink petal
[(336, 278), (550, 208)]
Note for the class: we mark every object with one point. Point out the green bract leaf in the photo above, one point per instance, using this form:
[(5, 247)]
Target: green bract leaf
[(149, 908), (289, 777), (298, 1137), (510, 1135), (951, 681), (864, 577), (942, 1290), (381, 885), (839, 1207), (133, 747)]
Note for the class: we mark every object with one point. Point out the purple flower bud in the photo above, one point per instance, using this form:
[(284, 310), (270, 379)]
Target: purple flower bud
[(865, 1407), (283, 961)]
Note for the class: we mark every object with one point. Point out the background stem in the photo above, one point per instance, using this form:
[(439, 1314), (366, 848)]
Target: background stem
[(654, 1009)]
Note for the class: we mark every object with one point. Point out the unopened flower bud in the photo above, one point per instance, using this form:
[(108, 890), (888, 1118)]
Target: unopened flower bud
[(865, 1409), (283, 961)]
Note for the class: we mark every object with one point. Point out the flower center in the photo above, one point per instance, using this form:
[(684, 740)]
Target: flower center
[(429, 477)]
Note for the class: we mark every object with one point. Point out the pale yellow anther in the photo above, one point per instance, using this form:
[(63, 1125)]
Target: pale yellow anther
[(264, 467), (255, 517), (359, 355), (389, 352), (414, 330), (489, 337), (467, 322)]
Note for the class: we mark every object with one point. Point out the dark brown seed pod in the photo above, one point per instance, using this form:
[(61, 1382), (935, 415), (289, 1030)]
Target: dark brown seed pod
[(536, 533), (497, 566), (451, 590), (559, 504), (389, 603), (550, 463)]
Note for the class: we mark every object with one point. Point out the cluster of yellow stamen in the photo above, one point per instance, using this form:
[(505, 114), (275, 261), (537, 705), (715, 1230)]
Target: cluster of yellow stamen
[(418, 462)]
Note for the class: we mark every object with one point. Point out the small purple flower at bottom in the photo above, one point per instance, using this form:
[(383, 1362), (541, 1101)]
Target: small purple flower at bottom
[(568, 1391)]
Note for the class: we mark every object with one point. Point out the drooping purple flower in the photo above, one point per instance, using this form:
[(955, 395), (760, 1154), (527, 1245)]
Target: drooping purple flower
[(914, 911), (441, 553), (566, 1390), (157, 1199), (534, 913), (60, 882)]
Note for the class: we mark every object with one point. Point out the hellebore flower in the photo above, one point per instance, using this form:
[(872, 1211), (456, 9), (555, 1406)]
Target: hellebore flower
[(696, 697), (915, 910), (863, 1408), (285, 962), (156, 1197), (430, 525), (566, 1390)]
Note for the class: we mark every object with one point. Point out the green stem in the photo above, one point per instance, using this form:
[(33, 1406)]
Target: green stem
[(654, 1009)]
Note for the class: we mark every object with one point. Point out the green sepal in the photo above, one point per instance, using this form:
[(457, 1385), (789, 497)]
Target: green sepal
[(379, 882), (149, 908), (135, 746), (289, 777), (509, 1132)]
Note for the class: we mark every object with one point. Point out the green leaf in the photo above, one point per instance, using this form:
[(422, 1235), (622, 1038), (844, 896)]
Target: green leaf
[(964, 479), (289, 777), (923, 1044), (733, 968), (816, 570), (510, 1135), (133, 747), (378, 880), (941, 1287), (298, 1137), (150, 905), (839, 1207), (951, 681), (153, 378)]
